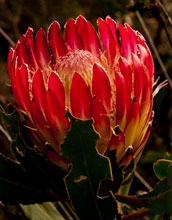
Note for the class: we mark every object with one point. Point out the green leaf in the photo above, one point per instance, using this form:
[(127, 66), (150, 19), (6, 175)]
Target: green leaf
[(44, 211), (42, 173), (151, 156), (159, 200), (161, 167), (10, 118), (16, 186), (11, 121), (88, 169), (41, 180)]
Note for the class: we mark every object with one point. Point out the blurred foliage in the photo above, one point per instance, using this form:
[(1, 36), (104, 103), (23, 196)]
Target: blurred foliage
[(16, 16)]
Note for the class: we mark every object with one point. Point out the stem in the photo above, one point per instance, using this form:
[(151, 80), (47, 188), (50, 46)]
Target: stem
[(165, 26), (166, 31), (131, 200), (5, 133), (143, 181), (165, 12), (153, 46), (5, 35), (136, 215), (124, 189)]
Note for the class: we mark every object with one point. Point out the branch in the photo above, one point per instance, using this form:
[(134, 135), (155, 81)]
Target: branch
[(5, 133), (165, 12), (5, 35), (142, 180), (136, 214), (133, 200), (153, 46)]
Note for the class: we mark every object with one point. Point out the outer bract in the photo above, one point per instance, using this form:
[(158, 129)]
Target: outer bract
[(98, 76)]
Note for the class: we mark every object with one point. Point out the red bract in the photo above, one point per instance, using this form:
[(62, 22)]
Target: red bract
[(98, 76)]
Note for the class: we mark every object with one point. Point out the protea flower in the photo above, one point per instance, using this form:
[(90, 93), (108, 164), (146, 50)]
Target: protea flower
[(94, 76)]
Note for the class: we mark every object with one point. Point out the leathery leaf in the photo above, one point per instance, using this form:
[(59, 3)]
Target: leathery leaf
[(159, 200), (88, 169)]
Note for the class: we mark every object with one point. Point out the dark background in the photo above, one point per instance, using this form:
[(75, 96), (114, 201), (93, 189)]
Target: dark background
[(16, 16)]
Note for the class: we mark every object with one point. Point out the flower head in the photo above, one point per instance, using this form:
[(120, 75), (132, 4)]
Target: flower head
[(99, 76)]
